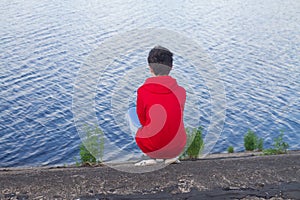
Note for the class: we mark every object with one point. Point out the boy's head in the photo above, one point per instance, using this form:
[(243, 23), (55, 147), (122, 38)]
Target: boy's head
[(160, 61)]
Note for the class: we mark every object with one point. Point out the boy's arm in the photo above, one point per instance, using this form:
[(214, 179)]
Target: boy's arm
[(140, 108)]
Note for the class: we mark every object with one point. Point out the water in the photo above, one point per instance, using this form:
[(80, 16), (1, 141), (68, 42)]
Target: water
[(254, 46)]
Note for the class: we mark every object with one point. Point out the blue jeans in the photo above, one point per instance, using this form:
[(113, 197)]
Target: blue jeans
[(133, 121)]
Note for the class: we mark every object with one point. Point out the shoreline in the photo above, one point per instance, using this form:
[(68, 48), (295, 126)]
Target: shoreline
[(222, 176), (71, 165), (243, 154)]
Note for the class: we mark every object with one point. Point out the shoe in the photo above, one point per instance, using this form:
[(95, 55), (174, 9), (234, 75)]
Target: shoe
[(146, 162), (172, 160)]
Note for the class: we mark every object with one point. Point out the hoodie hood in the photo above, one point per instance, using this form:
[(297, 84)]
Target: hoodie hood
[(160, 84)]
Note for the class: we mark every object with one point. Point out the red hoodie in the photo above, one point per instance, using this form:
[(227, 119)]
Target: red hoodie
[(160, 105)]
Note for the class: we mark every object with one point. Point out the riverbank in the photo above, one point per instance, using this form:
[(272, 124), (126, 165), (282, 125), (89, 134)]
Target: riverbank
[(221, 176)]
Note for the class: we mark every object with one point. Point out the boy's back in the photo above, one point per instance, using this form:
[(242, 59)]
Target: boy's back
[(160, 105)]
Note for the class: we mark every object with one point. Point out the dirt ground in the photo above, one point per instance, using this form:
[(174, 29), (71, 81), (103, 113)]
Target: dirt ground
[(215, 177)]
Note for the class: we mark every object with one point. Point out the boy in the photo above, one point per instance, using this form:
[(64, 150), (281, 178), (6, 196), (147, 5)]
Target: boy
[(160, 105)]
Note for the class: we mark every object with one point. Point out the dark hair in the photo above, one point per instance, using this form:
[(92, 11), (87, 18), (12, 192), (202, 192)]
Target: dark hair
[(160, 59)]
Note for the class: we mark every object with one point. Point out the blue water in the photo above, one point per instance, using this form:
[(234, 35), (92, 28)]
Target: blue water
[(254, 45)]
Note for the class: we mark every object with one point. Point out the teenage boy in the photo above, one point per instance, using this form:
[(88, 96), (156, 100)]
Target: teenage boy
[(159, 107)]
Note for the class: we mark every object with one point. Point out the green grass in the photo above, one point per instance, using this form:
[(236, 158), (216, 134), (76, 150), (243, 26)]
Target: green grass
[(92, 147)]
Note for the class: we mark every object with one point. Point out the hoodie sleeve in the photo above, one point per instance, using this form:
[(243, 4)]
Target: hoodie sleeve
[(140, 107)]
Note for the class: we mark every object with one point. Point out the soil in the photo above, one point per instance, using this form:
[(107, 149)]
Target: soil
[(222, 176)]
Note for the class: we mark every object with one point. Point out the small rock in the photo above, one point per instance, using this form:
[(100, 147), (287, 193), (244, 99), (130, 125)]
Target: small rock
[(22, 197), (260, 184), (111, 190)]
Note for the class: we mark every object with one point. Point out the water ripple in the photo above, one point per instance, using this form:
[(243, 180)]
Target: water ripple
[(255, 47)]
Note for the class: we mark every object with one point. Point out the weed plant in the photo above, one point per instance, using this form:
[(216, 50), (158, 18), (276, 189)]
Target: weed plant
[(195, 143), (230, 149), (91, 150), (252, 142), (279, 146)]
